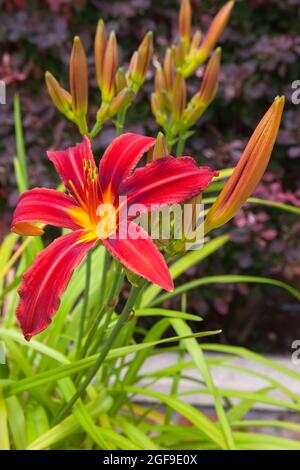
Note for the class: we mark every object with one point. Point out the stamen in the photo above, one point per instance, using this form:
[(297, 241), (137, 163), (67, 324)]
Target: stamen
[(79, 199)]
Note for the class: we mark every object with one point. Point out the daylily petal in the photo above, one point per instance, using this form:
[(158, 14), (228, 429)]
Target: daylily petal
[(119, 160), (42, 205), (69, 165), (166, 181), (46, 279), (140, 255)]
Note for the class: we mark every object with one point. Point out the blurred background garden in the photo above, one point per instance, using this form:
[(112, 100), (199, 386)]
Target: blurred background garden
[(260, 59)]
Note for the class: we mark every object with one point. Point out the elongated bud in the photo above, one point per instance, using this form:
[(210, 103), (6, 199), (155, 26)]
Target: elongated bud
[(120, 79), (179, 53), (155, 105), (143, 59), (215, 30), (103, 113), (60, 97), (210, 79), (79, 78), (160, 148), (157, 111), (179, 95), (169, 69), (110, 64), (160, 89), (159, 79), (195, 41), (185, 20), (133, 63), (99, 48), (209, 86), (249, 169), (123, 97)]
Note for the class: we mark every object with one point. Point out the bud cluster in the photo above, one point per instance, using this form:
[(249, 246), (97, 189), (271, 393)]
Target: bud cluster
[(169, 100), (191, 50), (118, 88)]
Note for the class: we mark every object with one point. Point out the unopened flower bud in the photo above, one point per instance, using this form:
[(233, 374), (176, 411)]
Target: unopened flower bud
[(99, 47), (249, 169), (195, 41), (169, 70), (179, 53), (120, 100), (157, 111), (120, 79), (110, 64), (179, 95), (79, 79), (210, 79), (60, 97), (143, 59), (160, 148), (215, 30), (185, 20)]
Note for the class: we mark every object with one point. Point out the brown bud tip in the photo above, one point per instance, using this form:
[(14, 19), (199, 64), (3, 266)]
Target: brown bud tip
[(185, 20)]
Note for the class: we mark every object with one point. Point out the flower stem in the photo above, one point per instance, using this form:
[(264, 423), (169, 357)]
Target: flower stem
[(85, 303), (180, 145), (119, 123), (134, 293), (82, 125), (111, 302), (96, 129), (102, 287)]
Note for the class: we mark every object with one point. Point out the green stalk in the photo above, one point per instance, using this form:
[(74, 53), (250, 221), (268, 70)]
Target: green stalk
[(96, 129), (134, 293), (82, 125), (111, 301), (102, 286), (180, 144), (85, 304), (174, 388), (119, 123), (20, 140)]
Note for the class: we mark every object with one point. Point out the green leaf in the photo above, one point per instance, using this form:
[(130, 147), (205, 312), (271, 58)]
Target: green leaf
[(20, 141), (161, 312), (187, 411), (226, 279), (72, 368), (70, 425), (136, 435), (37, 422), (16, 421), (196, 353), (4, 437)]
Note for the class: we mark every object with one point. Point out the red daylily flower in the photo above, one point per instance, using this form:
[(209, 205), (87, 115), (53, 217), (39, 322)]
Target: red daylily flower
[(164, 181)]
